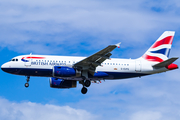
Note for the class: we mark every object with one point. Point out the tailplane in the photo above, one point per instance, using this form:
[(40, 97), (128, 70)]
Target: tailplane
[(167, 63), (160, 50)]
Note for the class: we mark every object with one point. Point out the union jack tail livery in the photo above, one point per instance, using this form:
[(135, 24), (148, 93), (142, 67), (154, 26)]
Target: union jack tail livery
[(160, 50)]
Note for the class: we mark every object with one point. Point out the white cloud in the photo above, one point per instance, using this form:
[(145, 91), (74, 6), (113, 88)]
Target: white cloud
[(61, 22), (35, 111), (146, 115)]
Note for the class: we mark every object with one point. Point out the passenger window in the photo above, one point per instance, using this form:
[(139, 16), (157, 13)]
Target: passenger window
[(13, 59), (16, 59), (113, 63), (69, 62)]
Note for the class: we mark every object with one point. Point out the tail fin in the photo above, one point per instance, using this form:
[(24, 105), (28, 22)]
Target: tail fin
[(160, 50)]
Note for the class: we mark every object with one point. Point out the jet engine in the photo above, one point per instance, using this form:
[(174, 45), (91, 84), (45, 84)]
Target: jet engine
[(60, 83), (63, 71)]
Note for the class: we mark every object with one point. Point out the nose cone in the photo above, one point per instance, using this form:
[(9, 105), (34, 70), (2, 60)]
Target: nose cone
[(4, 67)]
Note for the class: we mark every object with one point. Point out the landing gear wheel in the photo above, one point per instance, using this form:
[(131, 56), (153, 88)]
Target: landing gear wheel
[(87, 83), (84, 90), (26, 85)]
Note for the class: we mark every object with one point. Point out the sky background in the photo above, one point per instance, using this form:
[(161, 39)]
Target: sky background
[(81, 28)]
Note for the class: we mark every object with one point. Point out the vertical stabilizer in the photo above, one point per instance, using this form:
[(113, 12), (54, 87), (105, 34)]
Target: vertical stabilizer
[(160, 50)]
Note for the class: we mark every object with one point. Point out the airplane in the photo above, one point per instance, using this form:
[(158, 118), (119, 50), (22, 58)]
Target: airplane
[(66, 71)]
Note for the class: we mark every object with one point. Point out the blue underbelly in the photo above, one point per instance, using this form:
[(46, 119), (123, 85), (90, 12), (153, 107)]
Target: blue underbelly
[(29, 71), (49, 73)]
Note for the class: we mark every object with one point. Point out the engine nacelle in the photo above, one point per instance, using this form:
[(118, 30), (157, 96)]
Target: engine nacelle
[(63, 71), (60, 83)]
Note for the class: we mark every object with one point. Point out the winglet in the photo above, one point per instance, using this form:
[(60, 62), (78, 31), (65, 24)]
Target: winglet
[(118, 45)]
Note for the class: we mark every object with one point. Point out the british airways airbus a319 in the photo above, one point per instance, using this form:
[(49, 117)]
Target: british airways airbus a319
[(66, 71)]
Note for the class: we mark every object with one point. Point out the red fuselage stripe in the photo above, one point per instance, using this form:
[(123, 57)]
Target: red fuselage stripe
[(34, 57)]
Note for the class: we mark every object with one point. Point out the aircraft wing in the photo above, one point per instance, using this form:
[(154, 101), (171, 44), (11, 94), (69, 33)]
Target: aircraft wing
[(90, 63)]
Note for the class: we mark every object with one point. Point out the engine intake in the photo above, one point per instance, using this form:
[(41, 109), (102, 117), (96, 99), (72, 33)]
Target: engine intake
[(60, 83), (63, 71)]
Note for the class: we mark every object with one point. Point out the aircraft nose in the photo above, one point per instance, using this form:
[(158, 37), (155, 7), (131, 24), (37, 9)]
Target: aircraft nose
[(4, 67)]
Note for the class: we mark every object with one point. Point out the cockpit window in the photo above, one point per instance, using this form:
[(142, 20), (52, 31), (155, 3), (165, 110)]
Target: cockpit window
[(14, 59)]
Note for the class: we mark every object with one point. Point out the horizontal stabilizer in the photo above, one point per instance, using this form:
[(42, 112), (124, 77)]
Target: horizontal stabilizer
[(165, 63)]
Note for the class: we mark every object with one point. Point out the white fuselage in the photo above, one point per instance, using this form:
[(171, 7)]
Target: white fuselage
[(114, 67)]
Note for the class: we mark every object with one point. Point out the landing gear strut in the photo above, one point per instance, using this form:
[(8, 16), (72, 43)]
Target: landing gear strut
[(27, 84)]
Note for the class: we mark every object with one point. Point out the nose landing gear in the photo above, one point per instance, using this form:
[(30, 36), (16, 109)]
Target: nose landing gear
[(27, 84)]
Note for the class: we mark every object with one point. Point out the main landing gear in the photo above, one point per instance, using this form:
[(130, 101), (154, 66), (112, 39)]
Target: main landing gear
[(85, 83), (27, 84)]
